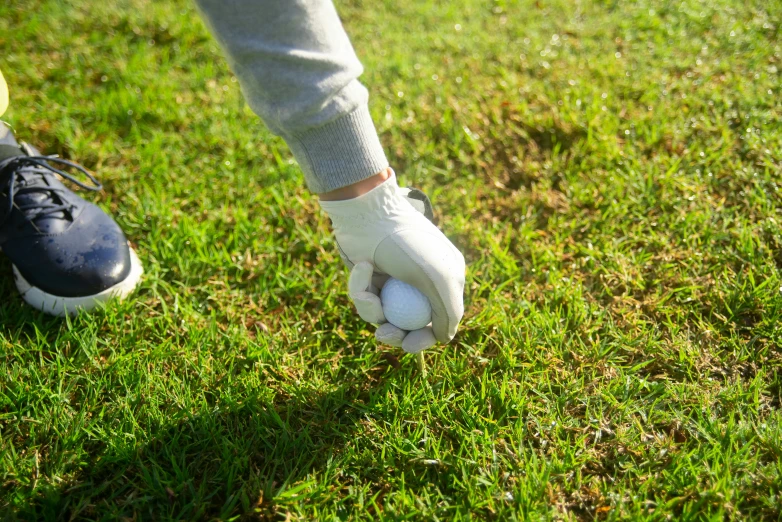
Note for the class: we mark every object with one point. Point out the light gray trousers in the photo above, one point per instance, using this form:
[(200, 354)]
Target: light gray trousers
[(298, 72)]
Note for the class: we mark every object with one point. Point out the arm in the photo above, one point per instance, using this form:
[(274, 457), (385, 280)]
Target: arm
[(298, 72)]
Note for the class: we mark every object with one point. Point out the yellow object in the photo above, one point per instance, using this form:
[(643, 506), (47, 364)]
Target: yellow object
[(3, 94)]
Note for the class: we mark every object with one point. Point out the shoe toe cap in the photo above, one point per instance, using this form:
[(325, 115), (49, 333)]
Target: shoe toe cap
[(91, 256)]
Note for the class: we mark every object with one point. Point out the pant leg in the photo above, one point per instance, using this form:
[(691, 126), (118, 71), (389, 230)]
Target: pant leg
[(299, 73)]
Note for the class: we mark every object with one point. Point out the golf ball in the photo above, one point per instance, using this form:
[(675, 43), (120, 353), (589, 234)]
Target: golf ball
[(404, 305)]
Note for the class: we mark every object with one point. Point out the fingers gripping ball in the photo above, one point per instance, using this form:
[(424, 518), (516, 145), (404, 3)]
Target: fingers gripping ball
[(367, 298), (386, 234)]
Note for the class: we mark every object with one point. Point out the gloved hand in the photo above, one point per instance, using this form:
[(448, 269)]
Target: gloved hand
[(385, 233)]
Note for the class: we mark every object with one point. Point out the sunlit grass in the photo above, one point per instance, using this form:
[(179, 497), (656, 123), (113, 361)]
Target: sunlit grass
[(611, 171)]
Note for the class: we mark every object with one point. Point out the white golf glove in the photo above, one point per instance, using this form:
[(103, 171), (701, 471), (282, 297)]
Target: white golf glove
[(385, 233)]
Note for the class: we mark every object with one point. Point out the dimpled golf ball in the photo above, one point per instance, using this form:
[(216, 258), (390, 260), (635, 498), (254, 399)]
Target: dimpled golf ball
[(404, 305)]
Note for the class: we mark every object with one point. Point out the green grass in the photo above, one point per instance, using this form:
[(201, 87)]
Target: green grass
[(611, 171)]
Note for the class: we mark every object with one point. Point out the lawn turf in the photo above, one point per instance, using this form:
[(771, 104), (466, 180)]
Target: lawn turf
[(611, 171)]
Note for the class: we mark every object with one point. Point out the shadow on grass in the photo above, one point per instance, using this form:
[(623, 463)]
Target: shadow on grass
[(242, 459)]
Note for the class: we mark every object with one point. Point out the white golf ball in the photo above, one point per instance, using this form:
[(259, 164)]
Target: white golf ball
[(404, 305)]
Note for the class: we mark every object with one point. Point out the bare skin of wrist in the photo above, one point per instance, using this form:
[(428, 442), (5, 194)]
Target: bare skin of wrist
[(357, 189)]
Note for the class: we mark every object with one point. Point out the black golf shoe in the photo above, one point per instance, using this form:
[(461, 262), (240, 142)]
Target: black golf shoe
[(67, 254)]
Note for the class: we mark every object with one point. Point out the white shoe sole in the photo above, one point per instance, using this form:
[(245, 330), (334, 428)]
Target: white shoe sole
[(61, 306)]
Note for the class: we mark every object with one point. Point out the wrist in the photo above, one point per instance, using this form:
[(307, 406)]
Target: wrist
[(357, 189)]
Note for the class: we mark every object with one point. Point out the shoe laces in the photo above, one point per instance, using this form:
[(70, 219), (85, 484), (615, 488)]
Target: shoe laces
[(15, 174)]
